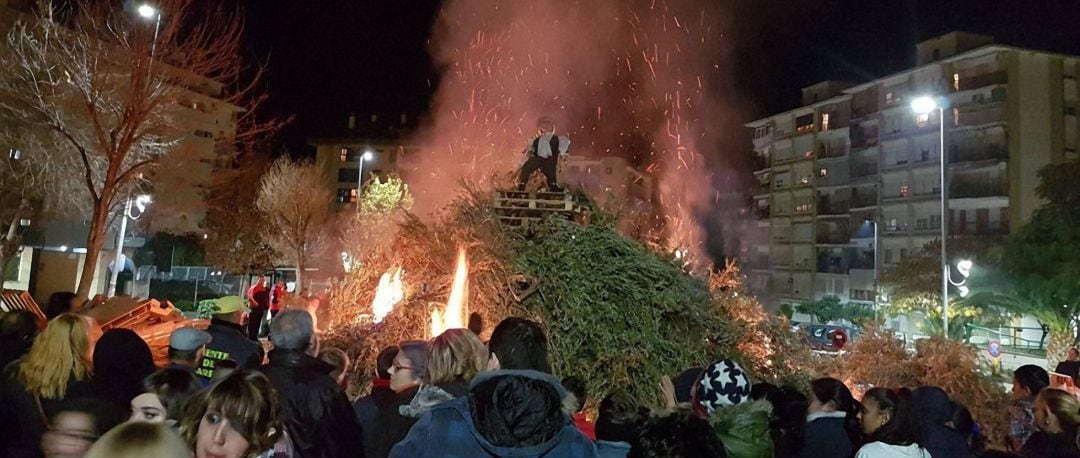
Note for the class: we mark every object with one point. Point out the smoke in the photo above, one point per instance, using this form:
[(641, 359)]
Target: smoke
[(642, 79)]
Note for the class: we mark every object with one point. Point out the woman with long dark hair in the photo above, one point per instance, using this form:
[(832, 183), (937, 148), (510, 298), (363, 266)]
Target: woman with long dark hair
[(832, 423), (890, 425)]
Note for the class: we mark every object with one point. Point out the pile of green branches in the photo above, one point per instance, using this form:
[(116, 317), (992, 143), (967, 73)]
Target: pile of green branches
[(618, 314)]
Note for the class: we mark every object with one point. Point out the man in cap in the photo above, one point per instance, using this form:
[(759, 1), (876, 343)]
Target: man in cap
[(229, 339), (542, 153), (186, 348)]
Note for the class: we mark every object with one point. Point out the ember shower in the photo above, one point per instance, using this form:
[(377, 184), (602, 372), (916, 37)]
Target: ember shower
[(636, 79)]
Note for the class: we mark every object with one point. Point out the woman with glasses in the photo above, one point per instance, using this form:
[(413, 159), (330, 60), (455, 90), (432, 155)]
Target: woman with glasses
[(390, 426)]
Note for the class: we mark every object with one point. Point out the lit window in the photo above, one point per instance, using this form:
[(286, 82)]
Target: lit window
[(956, 81), (890, 98), (904, 190), (823, 172), (922, 119), (824, 122), (956, 117), (344, 154)]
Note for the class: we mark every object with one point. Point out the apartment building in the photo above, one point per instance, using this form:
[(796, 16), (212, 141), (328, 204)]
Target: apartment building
[(856, 154), (371, 147)]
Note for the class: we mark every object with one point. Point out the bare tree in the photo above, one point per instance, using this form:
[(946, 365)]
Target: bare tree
[(235, 229), (114, 93), (22, 193), (295, 200)]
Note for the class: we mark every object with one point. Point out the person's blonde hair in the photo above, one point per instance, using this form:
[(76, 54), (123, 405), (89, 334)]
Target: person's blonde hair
[(137, 440), (1064, 406), (456, 355), (248, 401), (59, 354)]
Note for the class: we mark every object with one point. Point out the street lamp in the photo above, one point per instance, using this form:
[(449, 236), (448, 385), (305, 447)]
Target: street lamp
[(148, 11), (140, 203), (367, 156), (924, 106), (875, 224), (964, 268)]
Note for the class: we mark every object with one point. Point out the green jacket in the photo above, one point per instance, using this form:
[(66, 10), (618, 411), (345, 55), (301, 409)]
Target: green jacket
[(744, 429)]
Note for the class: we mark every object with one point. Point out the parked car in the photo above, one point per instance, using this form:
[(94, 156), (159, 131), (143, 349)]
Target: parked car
[(828, 337)]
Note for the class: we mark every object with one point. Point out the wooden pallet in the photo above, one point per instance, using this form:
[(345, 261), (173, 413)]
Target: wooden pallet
[(11, 300), (544, 201)]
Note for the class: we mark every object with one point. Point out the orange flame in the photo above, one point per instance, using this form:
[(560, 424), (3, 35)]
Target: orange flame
[(389, 293), (453, 316)]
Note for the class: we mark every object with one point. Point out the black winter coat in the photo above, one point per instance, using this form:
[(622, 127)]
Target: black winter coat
[(389, 426), (318, 416), (826, 438), (1045, 445)]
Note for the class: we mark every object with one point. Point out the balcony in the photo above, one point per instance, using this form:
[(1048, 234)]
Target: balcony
[(978, 154), (924, 225), (826, 151), (761, 212), (759, 162), (863, 261), (970, 189), (829, 264), (986, 114), (835, 237), (894, 229), (975, 82), (864, 200), (862, 137), (781, 234), (826, 206), (863, 170)]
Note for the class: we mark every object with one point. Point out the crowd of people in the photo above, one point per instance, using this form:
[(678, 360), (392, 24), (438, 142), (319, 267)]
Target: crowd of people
[(69, 391)]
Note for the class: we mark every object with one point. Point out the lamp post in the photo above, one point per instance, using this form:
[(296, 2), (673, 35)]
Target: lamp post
[(147, 11), (360, 178), (876, 287), (140, 204), (924, 106)]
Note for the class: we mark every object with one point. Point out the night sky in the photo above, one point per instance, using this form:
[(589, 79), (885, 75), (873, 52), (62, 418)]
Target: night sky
[(328, 58)]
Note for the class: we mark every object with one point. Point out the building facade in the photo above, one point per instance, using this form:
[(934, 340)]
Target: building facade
[(342, 156), (857, 155)]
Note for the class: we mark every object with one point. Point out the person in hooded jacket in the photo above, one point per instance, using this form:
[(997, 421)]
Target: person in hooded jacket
[(514, 409), (122, 360), (390, 426), (831, 423), (507, 413), (935, 410), (318, 418)]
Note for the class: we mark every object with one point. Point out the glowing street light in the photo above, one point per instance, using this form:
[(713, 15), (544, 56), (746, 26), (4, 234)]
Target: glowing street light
[(367, 156), (924, 106), (147, 11)]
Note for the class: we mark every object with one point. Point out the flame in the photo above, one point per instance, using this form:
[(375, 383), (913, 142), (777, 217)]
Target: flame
[(389, 293), (453, 316)]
